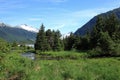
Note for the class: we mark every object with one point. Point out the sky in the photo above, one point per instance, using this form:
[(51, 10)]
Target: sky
[(64, 15)]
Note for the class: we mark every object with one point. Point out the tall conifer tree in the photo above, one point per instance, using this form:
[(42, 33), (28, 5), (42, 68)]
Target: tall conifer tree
[(41, 41)]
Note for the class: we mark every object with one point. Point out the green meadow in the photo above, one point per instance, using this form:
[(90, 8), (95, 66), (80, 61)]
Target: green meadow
[(15, 67)]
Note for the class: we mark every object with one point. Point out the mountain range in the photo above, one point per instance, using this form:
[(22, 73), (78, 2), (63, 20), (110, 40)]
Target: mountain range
[(90, 24), (21, 33), (25, 33)]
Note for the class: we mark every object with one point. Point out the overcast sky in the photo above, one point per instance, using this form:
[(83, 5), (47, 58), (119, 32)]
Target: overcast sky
[(65, 15)]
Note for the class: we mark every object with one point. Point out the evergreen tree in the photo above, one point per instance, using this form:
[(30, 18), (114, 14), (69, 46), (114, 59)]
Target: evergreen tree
[(85, 42), (112, 24), (105, 36), (41, 41), (77, 43), (114, 30), (106, 44), (50, 38), (57, 41), (95, 34), (69, 42)]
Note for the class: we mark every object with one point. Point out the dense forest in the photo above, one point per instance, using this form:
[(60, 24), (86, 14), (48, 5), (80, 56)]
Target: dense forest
[(48, 40), (103, 40)]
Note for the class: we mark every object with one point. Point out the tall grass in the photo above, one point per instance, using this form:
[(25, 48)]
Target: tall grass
[(62, 55), (13, 66)]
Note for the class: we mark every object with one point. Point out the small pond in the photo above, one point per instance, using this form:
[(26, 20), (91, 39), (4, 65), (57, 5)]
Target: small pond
[(29, 55)]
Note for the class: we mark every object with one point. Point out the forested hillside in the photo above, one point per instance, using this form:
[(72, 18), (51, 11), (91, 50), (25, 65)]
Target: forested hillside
[(89, 25), (103, 40)]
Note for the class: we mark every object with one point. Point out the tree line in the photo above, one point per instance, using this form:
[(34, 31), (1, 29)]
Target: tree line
[(103, 40), (48, 40)]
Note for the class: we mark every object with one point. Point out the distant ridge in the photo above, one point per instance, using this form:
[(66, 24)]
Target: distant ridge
[(11, 34), (89, 25)]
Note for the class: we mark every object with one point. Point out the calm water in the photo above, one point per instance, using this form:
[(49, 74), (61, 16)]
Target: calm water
[(29, 55)]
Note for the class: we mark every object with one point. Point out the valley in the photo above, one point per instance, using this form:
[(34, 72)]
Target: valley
[(51, 48)]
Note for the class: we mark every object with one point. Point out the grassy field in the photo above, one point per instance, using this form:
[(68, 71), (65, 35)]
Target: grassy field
[(15, 67)]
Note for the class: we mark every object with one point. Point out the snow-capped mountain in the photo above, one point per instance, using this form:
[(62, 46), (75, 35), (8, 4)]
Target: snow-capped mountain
[(28, 28), (11, 33)]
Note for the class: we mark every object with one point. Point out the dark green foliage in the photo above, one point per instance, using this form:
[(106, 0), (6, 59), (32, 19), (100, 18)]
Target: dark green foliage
[(48, 40), (69, 42), (104, 40), (112, 25), (105, 36), (85, 43), (106, 44), (14, 44), (22, 47), (41, 41), (95, 34), (77, 44), (4, 46), (57, 42)]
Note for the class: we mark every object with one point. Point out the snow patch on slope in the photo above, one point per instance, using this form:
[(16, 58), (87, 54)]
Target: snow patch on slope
[(28, 28)]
